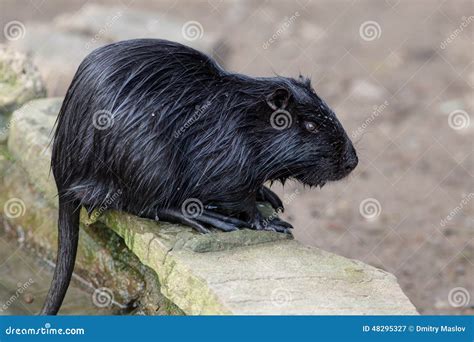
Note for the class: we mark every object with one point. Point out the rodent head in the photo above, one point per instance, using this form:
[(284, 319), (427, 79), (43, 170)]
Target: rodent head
[(301, 136)]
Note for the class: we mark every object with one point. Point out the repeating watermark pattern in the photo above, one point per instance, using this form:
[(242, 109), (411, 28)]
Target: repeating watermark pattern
[(455, 211), (370, 208), (459, 297), (103, 297), (453, 35), (281, 119), (21, 288), (370, 30), (103, 119), (106, 204), (192, 208), (280, 297), (103, 30), (14, 30), (376, 112), (286, 24), (459, 119), (192, 30), (14, 208), (215, 4), (198, 113)]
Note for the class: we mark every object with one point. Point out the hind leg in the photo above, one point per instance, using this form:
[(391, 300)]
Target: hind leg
[(254, 220), (218, 221), (176, 216), (221, 222), (259, 222)]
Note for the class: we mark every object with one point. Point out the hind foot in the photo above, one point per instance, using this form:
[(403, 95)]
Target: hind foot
[(223, 222), (176, 216), (210, 218), (226, 223)]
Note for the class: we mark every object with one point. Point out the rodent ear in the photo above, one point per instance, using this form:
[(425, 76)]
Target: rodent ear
[(278, 99)]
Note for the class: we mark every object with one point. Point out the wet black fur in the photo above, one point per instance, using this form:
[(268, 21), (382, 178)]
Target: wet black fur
[(153, 88)]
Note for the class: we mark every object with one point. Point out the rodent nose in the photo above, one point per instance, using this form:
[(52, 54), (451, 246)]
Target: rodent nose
[(351, 164), (350, 159)]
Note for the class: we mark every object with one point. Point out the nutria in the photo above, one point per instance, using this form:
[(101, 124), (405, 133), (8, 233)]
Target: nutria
[(159, 130)]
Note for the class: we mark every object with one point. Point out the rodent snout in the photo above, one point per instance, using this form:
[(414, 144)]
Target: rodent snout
[(350, 159)]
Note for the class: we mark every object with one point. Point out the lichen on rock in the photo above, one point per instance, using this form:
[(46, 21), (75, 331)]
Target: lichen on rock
[(20, 82)]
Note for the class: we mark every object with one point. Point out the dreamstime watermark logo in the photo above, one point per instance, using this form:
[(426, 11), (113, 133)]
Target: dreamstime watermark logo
[(377, 110), (103, 297), (281, 119), (192, 208), (455, 211), (280, 297), (459, 297), (21, 288), (286, 24), (14, 208), (14, 30), (109, 200), (370, 208), (464, 24), (46, 330), (370, 30), (103, 30), (192, 30), (198, 113), (459, 119), (103, 119)]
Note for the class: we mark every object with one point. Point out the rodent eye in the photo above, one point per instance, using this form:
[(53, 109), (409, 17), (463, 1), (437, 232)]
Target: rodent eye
[(310, 126)]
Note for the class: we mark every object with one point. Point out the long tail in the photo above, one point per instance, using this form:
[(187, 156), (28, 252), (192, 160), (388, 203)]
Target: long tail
[(68, 236)]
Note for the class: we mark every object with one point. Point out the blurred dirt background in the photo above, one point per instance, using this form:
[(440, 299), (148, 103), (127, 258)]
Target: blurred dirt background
[(403, 90)]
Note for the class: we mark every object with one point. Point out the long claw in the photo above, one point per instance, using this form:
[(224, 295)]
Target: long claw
[(267, 195), (274, 225), (225, 224)]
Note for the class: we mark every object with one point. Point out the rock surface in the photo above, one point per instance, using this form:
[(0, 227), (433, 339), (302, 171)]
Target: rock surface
[(20, 82), (29, 142), (265, 278), (93, 26), (243, 272)]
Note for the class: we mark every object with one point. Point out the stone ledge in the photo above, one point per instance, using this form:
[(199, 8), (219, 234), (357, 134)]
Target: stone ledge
[(269, 278), (244, 272)]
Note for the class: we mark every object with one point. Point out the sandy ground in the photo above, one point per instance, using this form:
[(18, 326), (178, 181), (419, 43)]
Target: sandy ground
[(394, 88)]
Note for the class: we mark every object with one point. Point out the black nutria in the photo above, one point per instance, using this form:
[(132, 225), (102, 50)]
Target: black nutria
[(159, 130)]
